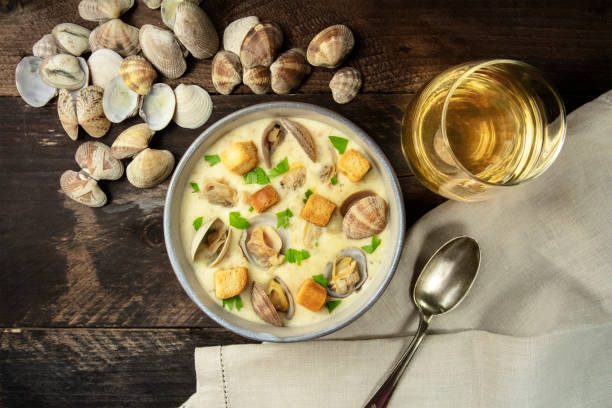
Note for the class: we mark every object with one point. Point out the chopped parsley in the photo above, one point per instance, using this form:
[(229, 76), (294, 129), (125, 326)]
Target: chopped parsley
[(339, 143), (280, 168), (334, 180), (197, 223), (195, 187), (282, 218), (372, 247), (307, 194), (296, 256), (256, 176), (250, 209), (233, 301), (237, 221), (332, 304), (320, 279), (212, 159)]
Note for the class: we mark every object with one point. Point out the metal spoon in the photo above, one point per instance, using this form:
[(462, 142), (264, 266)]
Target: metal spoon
[(443, 283)]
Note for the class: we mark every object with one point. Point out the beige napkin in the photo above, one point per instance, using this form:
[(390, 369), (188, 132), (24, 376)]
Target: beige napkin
[(535, 330)]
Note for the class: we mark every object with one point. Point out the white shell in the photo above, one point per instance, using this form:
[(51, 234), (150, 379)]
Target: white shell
[(236, 31), (85, 69), (216, 256), (45, 47), (150, 167), (32, 89), (119, 101), (104, 66), (193, 106), (157, 106), (163, 50), (63, 71), (168, 10), (72, 38), (153, 4)]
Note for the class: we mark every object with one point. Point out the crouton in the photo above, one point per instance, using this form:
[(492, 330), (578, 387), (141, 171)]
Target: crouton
[(240, 157), (318, 210), (230, 282), (353, 165), (263, 199), (311, 295)]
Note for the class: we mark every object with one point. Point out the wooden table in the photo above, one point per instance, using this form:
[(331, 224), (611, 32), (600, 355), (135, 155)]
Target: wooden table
[(90, 311)]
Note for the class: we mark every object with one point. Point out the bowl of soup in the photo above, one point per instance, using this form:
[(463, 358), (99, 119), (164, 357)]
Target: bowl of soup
[(284, 222)]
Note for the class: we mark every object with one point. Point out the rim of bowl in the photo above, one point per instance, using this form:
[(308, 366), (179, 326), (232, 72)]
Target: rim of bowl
[(396, 193)]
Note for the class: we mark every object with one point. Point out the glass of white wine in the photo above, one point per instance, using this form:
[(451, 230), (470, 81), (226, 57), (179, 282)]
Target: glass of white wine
[(480, 127)]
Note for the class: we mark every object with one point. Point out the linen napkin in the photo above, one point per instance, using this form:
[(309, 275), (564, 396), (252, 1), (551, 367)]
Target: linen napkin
[(535, 330)]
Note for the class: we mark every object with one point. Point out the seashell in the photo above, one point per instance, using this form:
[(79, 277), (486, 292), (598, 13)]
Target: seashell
[(162, 49), (267, 303), (157, 107), (132, 141), (119, 101), (220, 193), (257, 79), (138, 74), (363, 216), (104, 66), (45, 47), (117, 36), (85, 69), (263, 244), (32, 89), (263, 307), (67, 113), (353, 198), (168, 10), (345, 84), (272, 136), (195, 31), (226, 72), (330, 47), (193, 106), (261, 45), (277, 290), (346, 273), (72, 38), (302, 135), (103, 10), (96, 160), (90, 112), (234, 33), (288, 71), (153, 4), (62, 71), (150, 167), (211, 242), (82, 188)]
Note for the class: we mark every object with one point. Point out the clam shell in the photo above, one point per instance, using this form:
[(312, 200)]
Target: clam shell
[(45, 47), (272, 136), (226, 72), (153, 4), (330, 47), (138, 74), (90, 112), (257, 79), (193, 106), (132, 141), (195, 30), (365, 217), (258, 220), (168, 10), (217, 252), (96, 160), (263, 307), (289, 314), (362, 265), (157, 108), (117, 36), (32, 89), (345, 84), (67, 113), (72, 38), (234, 33), (261, 45), (288, 71), (150, 167), (82, 188), (353, 198), (104, 66), (85, 69), (103, 10), (62, 71), (302, 135), (162, 49), (119, 101)]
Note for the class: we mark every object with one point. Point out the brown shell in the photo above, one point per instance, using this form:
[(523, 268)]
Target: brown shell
[(45, 47), (82, 188), (138, 74), (261, 45), (365, 217), (90, 113), (132, 141), (117, 36), (226, 72), (66, 111), (273, 135), (150, 168), (162, 49), (288, 71), (263, 307), (257, 79), (345, 84), (96, 160), (330, 47), (302, 135), (195, 30), (103, 10)]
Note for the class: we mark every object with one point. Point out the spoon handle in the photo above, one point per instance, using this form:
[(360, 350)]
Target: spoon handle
[(383, 393)]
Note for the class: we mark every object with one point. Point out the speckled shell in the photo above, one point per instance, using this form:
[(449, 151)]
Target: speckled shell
[(96, 160), (103, 10), (132, 141), (138, 74), (150, 167), (261, 45), (66, 111), (82, 188), (257, 79), (193, 106), (62, 71), (153, 4), (234, 33), (71, 38), (90, 113), (226, 72), (162, 49), (117, 36), (32, 89), (330, 47), (345, 84), (195, 30), (288, 71), (104, 66), (45, 47), (365, 217)]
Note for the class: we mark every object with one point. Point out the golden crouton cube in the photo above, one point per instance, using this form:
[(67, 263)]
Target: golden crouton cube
[(263, 199), (353, 165), (318, 210), (230, 282), (240, 157), (311, 295)]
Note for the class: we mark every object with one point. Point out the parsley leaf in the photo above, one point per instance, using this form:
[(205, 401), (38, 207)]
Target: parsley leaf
[(197, 223), (257, 175), (237, 221), (296, 256), (332, 304), (307, 194), (320, 279), (282, 218), (339, 143), (334, 180), (212, 159), (233, 301), (280, 168), (195, 187), (372, 247), (250, 209)]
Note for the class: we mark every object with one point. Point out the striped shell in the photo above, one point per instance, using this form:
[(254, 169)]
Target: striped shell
[(261, 45), (168, 10), (82, 188), (330, 47), (45, 47), (234, 33), (132, 141), (345, 84), (193, 106), (150, 168), (103, 10), (138, 74), (195, 30), (90, 112), (226, 72), (288, 71), (365, 216), (96, 160), (257, 79), (67, 113), (162, 49), (117, 36)]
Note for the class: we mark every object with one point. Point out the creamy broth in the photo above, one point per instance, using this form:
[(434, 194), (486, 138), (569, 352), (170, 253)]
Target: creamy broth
[(329, 244)]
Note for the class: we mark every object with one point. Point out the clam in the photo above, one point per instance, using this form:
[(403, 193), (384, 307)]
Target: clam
[(132, 141), (33, 90), (168, 10), (272, 136), (62, 71), (45, 47), (261, 45), (211, 242), (85, 69), (220, 193), (288, 71), (104, 66), (162, 49), (234, 33), (117, 36), (82, 188), (90, 111), (67, 113), (153, 4), (138, 74), (96, 160), (268, 302), (294, 178), (195, 31), (346, 273), (193, 106), (302, 135), (150, 167), (72, 38), (157, 108), (119, 101), (226, 72), (262, 244), (345, 84), (330, 47), (257, 79), (103, 10), (364, 214)]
